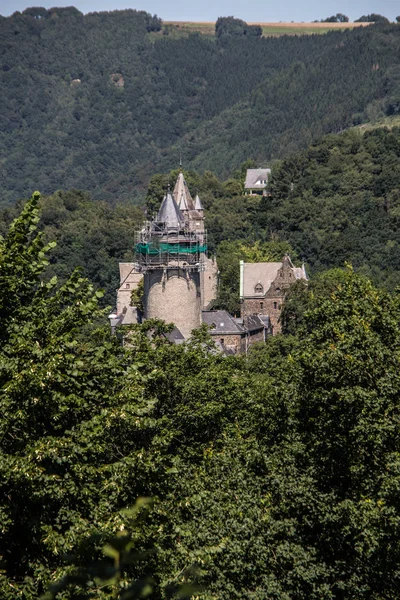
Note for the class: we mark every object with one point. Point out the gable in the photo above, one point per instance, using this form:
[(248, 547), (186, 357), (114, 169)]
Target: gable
[(259, 274)]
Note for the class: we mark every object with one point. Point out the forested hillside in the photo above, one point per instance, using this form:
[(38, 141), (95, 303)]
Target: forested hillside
[(337, 201), (271, 475), (340, 201), (100, 102)]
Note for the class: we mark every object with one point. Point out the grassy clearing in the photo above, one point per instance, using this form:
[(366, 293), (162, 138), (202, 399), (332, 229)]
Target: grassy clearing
[(184, 28), (177, 29), (388, 122)]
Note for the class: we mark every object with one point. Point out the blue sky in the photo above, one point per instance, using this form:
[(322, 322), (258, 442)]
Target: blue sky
[(210, 10)]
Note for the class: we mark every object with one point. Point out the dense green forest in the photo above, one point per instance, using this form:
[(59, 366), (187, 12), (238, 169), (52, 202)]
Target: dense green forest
[(336, 202), (100, 102), (160, 471), (271, 475)]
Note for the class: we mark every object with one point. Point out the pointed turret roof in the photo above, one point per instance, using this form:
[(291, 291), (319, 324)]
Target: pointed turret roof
[(197, 203), (169, 212), (182, 195)]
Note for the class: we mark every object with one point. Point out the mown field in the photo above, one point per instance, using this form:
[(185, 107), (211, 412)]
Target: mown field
[(181, 28)]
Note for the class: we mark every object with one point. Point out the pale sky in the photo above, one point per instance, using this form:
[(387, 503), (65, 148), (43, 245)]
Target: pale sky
[(210, 10)]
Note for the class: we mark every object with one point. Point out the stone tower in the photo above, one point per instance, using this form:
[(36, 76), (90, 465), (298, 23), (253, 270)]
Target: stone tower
[(170, 252)]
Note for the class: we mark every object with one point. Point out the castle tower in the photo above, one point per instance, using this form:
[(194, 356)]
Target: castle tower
[(192, 210), (170, 252)]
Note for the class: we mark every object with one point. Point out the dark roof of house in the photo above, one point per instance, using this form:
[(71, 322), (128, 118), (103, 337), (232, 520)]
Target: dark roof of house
[(253, 322), (175, 336), (265, 320), (221, 322)]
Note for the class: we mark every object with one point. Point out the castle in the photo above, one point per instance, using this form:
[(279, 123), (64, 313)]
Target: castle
[(180, 282)]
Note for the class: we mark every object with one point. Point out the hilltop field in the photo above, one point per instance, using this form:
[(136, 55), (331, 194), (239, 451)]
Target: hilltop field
[(269, 29)]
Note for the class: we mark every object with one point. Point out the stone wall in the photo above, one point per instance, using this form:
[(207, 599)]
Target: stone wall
[(209, 282), (253, 337), (174, 296), (270, 304), (233, 342), (129, 280)]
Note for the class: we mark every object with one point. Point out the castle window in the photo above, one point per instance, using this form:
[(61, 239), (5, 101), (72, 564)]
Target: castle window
[(222, 341), (259, 288), (127, 286), (261, 305), (275, 305)]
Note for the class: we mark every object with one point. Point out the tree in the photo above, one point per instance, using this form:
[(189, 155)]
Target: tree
[(62, 413), (108, 578), (338, 18), (230, 26), (372, 18), (346, 413), (154, 23)]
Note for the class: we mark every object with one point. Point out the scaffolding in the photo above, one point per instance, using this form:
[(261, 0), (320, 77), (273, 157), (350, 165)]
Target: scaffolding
[(161, 246)]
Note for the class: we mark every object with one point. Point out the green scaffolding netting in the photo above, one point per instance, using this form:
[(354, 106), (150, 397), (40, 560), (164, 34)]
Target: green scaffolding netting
[(170, 248)]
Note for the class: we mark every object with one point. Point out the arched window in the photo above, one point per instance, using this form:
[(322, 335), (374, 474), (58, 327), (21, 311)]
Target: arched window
[(258, 288)]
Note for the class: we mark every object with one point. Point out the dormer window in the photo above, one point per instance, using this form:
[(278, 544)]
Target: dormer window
[(259, 288)]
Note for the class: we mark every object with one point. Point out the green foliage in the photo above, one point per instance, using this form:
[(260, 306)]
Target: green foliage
[(89, 234), (347, 403), (77, 111), (61, 406), (302, 296), (338, 201), (338, 18), (230, 254), (273, 475), (137, 297), (111, 577), (235, 27), (372, 18)]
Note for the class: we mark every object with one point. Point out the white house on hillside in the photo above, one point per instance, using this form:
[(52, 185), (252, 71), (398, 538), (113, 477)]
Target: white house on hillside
[(256, 181)]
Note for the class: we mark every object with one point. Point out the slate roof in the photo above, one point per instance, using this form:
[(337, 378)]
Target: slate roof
[(221, 322), (128, 317), (169, 212), (265, 320), (175, 336), (254, 178), (254, 322)]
